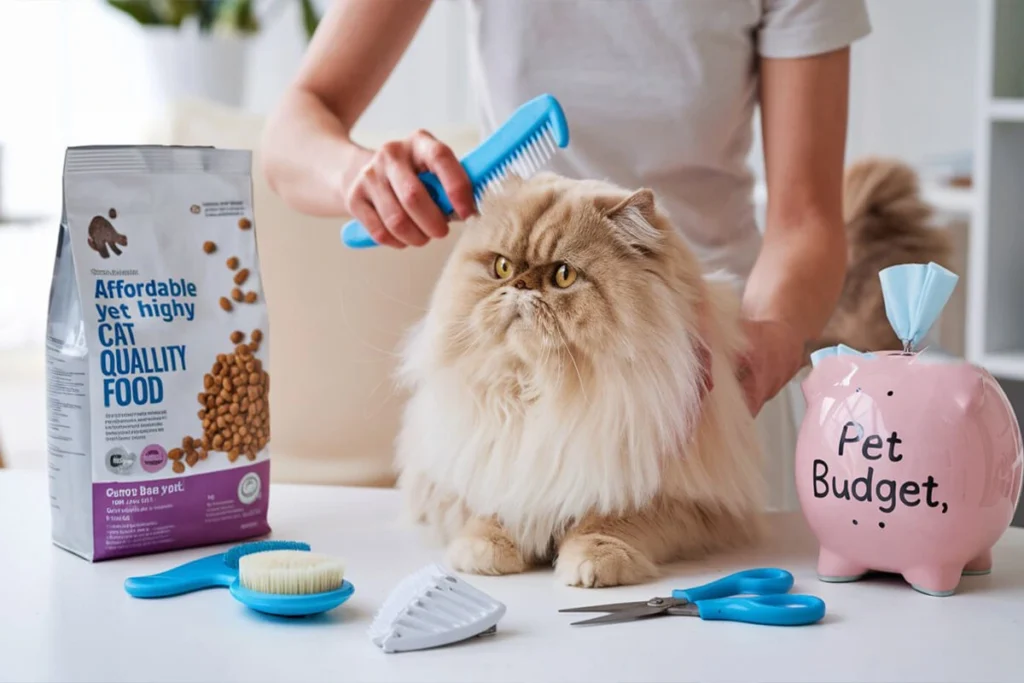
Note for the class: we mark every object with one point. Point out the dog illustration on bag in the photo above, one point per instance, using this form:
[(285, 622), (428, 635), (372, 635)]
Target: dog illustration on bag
[(103, 236)]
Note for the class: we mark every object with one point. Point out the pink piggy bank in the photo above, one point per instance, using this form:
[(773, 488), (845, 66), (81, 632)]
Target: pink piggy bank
[(906, 465)]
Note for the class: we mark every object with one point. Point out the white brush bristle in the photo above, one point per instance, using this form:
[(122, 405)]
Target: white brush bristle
[(430, 608), (525, 162), (290, 572)]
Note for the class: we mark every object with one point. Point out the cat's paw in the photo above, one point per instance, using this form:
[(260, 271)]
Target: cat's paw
[(597, 560), (493, 554)]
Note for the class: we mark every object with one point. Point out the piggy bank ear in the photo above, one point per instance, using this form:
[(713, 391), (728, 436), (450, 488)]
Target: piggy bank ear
[(824, 364), (809, 385), (968, 383), (818, 377), (956, 380)]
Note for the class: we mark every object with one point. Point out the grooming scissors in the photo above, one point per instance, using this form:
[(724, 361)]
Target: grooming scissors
[(753, 596)]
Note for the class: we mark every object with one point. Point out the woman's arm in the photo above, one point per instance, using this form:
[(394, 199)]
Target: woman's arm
[(308, 157), (798, 277), (306, 140)]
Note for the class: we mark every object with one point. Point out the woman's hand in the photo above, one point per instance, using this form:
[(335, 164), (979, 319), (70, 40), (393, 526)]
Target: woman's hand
[(387, 197), (775, 353)]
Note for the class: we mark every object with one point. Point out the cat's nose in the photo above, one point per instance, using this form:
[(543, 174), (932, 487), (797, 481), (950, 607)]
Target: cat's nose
[(521, 284)]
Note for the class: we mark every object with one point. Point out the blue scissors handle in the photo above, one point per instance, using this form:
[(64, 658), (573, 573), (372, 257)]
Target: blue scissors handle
[(767, 610), (763, 581)]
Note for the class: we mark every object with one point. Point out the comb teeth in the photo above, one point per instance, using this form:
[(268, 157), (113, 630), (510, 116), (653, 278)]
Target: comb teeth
[(524, 162)]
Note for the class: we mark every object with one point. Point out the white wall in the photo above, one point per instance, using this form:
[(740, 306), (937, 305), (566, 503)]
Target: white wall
[(427, 89), (913, 81), (74, 71)]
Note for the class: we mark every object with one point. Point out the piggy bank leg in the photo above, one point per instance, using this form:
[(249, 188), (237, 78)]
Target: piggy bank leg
[(938, 582), (980, 565), (834, 568)]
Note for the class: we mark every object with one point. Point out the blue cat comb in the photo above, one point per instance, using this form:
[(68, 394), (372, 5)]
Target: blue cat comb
[(522, 145), (222, 570)]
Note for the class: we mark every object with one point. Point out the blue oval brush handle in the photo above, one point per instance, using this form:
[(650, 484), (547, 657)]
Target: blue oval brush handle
[(355, 235), (208, 572)]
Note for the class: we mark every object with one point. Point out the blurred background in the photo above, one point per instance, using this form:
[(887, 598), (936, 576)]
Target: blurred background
[(939, 83)]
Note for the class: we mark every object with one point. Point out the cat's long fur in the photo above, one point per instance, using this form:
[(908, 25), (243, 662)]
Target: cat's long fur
[(568, 425)]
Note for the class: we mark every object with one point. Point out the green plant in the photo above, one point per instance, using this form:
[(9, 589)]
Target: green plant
[(211, 16)]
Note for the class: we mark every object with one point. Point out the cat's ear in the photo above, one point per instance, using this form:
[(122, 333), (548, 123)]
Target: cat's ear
[(637, 221)]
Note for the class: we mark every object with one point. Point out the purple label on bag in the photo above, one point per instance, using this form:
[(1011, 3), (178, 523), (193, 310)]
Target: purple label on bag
[(186, 511)]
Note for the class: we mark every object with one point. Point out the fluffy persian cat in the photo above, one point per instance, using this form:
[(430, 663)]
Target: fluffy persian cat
[(560, 410)]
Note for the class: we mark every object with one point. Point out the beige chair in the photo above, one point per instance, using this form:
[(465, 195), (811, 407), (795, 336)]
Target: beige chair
[(336, 316)]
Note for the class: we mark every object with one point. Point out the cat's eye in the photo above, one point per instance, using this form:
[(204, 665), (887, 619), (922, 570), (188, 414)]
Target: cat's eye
[(565, 275), (502, 268)]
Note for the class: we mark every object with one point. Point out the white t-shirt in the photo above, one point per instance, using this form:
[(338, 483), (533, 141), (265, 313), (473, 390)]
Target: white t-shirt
[(658, 93)]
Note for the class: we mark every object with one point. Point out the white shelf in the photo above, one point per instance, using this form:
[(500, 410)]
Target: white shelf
[(1005, 365), (1006, 109), (1003, 48), (958, 201), (995, 318)]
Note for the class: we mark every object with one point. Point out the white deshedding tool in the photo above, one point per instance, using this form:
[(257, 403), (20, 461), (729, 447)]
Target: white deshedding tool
[(432, 608)]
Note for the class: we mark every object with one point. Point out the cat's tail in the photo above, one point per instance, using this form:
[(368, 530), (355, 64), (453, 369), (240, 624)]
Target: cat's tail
[(882, 198), (888, 222)]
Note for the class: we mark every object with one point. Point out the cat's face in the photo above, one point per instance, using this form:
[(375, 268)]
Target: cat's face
[(554, 266)]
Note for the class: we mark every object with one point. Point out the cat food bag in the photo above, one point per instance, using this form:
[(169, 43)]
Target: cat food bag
[(156, 354)]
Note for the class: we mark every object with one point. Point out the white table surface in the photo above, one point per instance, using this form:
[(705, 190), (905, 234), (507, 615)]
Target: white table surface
[(64, 619)]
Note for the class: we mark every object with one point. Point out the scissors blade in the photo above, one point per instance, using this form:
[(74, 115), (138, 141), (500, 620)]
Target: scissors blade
[(611, 607), (625, 615)]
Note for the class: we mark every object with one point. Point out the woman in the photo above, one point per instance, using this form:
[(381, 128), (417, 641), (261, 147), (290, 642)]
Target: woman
[(659, 94)]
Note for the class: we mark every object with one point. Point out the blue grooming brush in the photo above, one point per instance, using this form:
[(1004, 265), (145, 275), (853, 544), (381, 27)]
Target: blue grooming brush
[(222, 570), (523, 144)]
